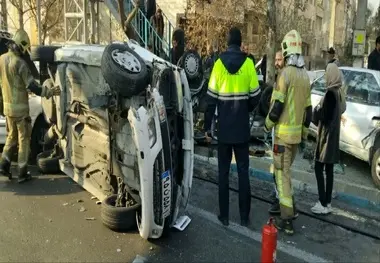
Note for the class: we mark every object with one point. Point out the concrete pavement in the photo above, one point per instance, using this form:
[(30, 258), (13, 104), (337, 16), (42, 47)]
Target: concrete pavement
[(41, 221)]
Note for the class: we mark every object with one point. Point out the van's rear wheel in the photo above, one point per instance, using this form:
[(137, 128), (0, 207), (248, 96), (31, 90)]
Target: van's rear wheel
[(124, 70)]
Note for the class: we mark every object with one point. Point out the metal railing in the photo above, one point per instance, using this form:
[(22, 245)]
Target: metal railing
[(145, 32)]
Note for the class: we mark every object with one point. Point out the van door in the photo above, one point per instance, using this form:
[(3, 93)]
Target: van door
[(363, 101)]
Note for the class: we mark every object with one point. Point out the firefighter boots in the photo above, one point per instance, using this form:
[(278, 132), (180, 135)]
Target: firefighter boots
[(285, 225), (23, 174), (5, 168)]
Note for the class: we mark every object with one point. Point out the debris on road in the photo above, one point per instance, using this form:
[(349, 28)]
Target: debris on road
[(139, 259), (182, 222), (50, 220), (303, 227), (151, 248), (118, 250), (65, 204), (82, 209), (79, 201), (90, 218)]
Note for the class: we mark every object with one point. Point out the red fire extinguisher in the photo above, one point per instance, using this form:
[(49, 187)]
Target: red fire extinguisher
[(269, 243)]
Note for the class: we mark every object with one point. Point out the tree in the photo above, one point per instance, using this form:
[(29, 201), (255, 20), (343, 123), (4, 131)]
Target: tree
[(51, 17), (271, 47), (373, 24), (208, 21), (21, 11), (290, 18)]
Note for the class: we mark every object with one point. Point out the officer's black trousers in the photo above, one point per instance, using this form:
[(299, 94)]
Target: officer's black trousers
[(224, 161)]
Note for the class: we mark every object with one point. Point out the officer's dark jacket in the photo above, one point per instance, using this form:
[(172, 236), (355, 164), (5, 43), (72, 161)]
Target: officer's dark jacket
[(234, 90), (374, 60)]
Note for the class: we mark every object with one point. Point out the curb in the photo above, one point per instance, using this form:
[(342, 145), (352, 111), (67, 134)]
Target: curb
[(302, 186)]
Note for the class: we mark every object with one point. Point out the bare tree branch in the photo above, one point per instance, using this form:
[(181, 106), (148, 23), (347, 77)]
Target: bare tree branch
[(51, 16)]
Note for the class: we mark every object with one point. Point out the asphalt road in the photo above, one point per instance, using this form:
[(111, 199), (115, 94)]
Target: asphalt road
[(43, 221)]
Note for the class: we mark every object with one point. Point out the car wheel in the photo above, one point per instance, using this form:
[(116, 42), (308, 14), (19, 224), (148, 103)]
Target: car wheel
[(48, 162), (124, 70), (375, 168), (40, 128), (48, 105), (191, 62), (118, 218), (43, 53)]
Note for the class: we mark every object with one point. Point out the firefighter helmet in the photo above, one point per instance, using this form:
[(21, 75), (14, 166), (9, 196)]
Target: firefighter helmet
[(21, 39), (291, 44)]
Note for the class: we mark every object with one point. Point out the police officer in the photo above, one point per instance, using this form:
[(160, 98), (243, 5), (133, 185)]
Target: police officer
[(290, 115), (16, 79), (234, 90)]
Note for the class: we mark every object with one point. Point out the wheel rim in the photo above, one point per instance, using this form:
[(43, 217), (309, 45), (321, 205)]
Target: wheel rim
[(191, 65), (378, 168), (126, 60)]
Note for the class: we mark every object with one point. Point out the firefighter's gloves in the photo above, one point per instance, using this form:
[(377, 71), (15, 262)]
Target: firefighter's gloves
[(50, 92)]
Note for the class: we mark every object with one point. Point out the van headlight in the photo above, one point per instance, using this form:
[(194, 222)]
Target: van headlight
[(152, 132)]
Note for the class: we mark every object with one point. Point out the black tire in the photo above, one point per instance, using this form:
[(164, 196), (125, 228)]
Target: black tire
[(191, 62), (43, 53), (48, 105), (118, 218), (48, 163), (124, 81), (40, 128), (265, 101), (375, 165)]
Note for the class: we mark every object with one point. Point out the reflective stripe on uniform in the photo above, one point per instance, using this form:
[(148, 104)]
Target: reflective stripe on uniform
[(284, 198), (240, 86), (283, 129), (278, 96)]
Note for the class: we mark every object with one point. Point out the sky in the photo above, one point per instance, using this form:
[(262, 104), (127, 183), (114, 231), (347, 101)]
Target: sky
[(374, 3)]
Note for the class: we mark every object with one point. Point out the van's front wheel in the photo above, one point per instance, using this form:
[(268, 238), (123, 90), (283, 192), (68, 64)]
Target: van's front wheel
[(375, 168)]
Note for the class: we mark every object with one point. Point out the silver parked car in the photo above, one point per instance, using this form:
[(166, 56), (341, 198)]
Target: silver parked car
[(360, 124)]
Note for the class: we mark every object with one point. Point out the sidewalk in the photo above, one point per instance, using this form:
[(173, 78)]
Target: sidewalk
[(354, 186)]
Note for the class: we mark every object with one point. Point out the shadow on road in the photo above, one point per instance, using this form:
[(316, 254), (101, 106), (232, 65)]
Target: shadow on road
[(40, 184)]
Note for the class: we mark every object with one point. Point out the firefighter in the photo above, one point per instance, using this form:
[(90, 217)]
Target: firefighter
[(290, 116), (234, 90), (16, 79)]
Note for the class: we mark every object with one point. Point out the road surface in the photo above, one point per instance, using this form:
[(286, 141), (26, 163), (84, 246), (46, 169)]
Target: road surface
[(44, 221)]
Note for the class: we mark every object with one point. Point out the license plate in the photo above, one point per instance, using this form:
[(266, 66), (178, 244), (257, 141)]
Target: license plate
[(166, 193)]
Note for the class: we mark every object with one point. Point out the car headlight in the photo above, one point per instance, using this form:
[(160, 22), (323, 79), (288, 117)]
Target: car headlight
[(152, 132)]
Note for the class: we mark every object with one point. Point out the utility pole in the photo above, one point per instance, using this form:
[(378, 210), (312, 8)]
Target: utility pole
[(271, 43), (4, 15), (358, 47), (332, 23), (39, 22)]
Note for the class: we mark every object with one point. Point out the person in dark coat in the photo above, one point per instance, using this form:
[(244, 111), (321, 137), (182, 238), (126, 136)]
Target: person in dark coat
[(157, 22), (327, 116), (374, 57)]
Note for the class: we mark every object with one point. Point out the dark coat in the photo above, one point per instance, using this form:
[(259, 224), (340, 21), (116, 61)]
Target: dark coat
[(158, 24), (327, 116), (374, 60)]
